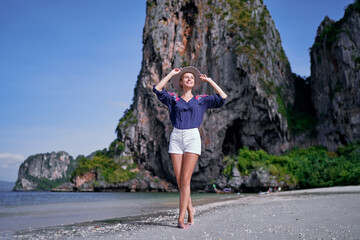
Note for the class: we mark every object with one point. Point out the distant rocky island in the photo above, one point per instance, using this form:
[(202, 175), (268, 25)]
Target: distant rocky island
[(42, 172), (100, 171), (269, 108)]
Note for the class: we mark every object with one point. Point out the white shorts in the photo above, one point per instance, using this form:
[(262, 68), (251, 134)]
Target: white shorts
[(185, 140)]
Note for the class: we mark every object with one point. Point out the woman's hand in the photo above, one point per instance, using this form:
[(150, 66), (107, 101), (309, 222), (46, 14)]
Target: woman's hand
[(204, 78), (217, 89), (162, 83), (175, 71)]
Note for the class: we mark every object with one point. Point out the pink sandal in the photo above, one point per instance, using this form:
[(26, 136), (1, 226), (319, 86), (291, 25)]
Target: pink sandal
[(183, 226)]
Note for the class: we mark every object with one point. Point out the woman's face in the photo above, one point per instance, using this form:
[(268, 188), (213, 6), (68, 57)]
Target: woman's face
[(188, 80)]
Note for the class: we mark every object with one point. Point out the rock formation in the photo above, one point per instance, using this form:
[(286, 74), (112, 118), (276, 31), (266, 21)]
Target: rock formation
[(101, 177), (144, 182), (92, 182), (236, 44), (44, 171), (335, 79), (258, 180)]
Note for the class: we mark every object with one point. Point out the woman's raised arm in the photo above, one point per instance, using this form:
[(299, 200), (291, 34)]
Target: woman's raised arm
[(216, 87), (163, 82)]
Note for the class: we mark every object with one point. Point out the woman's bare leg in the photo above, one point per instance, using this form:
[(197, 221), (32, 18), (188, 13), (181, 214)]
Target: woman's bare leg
[(187, 169), (177, 160)]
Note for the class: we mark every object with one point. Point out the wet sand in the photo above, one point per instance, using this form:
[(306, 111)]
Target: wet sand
[(45, 209), (325, 213)]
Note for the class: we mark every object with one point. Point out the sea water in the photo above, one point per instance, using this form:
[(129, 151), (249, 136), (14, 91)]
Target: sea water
[(22, 210)]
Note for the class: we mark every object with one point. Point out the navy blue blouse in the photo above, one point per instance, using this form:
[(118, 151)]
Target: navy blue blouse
[(185, 115)]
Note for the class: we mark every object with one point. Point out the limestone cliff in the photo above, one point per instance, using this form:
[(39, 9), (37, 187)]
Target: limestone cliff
[(268, 107), (335, 78), (236, 44), (44, 171)]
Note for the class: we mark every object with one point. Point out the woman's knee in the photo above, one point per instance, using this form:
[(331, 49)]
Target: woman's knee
[(185, 181)]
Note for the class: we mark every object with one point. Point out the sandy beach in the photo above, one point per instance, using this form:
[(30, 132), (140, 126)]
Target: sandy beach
[(324, 213)]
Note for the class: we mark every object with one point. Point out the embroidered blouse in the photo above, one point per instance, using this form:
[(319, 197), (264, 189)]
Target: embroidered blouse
[(186, 115)]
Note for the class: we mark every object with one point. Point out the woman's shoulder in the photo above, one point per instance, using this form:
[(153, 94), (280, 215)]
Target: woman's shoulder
[(165, 94), (200, 97), (174, 95)]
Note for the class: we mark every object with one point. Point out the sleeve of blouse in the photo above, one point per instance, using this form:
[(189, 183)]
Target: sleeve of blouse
[(214, 101), (163, 96)]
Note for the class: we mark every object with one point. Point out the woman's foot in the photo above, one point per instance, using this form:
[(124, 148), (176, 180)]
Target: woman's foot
[(191, 217), (182, 226)]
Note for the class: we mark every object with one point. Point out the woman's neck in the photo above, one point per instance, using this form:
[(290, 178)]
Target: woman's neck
[(187, 93)]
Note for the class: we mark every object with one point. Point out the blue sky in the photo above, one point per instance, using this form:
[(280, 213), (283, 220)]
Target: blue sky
[(68, 68)]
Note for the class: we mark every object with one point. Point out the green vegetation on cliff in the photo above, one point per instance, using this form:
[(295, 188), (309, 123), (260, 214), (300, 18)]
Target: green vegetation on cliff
[(300, 121), (247, 160), (331, 32), (107, 167), (45, 184), (307, 168), (253, 30), (253, 23), (128, 119)]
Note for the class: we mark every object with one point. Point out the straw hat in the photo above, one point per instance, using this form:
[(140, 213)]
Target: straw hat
[(177, 77)]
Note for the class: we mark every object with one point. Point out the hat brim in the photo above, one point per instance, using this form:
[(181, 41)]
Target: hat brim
[(193, 70)]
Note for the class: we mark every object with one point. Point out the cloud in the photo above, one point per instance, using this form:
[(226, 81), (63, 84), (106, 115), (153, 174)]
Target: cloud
[(9, 166), (10, 160)]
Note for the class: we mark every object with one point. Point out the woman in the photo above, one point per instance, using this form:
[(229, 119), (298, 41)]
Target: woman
[(186, 114)]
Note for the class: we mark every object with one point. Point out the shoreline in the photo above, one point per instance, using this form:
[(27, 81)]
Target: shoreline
[(20, 211), (329, 202)]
